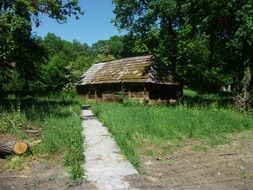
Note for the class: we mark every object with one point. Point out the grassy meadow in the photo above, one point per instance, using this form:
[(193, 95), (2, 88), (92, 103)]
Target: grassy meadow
[(156, 130), (54, 120), (138, 129)]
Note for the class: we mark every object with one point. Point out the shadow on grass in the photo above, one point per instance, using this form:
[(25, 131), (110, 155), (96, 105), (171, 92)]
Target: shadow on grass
[(193, 98), (38, 107), (207, 102)]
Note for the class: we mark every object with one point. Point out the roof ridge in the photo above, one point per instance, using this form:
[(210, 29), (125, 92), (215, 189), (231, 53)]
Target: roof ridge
[(126, 58)]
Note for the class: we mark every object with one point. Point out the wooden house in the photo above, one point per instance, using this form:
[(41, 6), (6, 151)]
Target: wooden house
[(140, 77)]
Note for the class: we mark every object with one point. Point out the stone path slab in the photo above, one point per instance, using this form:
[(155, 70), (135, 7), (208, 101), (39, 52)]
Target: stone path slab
[(105, 166)]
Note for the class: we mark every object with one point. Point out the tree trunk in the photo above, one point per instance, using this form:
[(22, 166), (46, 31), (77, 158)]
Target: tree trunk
[(246, 91), (250, 55), (11, 145)]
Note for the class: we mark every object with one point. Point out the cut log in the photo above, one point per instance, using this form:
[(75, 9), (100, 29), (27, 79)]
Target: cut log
[(10, 146), (20, 147)]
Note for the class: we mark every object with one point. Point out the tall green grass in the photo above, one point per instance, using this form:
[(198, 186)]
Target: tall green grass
[(57, 119), (134, 125)]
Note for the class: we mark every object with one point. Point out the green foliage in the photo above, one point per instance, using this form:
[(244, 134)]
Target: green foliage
[(193, 56), (66, 62), (55, 71), (58, 120), (57, 9), (52, 44), (12, 122), (245, 17), (20, 52), (63, 135), (114, 46), (207, 46)]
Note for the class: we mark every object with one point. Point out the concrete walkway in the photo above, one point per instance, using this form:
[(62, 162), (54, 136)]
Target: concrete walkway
[(105, 166)]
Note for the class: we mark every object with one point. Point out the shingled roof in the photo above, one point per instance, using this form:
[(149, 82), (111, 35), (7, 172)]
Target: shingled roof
[(142, 69)]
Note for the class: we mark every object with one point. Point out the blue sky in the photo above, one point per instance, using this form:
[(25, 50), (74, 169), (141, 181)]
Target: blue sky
[(94, 25)]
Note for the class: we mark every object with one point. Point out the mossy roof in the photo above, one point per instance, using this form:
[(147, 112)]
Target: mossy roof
[(141, 69)]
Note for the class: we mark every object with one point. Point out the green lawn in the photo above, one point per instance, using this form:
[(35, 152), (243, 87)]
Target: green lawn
[(136, 127), (58, 121)]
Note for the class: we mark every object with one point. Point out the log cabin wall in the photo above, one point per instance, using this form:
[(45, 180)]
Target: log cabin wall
[(165, 92), (112, 92), (115, 92)]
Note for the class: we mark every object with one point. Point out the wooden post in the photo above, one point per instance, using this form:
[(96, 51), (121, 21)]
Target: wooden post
[(145, 91), (96, 96), (88, 96), (147, 94), (129, 94)]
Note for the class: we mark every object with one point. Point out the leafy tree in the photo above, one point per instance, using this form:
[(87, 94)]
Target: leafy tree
[(52, 44), (243, 41), (208, 45), (228, 25), (153, 23), (30, 9), (19, 50), (66, 62), (121, 46), (60, 54), (114, 46)]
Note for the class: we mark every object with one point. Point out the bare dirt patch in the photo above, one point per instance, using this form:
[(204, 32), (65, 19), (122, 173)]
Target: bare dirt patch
[(228, 166), (39, 175)]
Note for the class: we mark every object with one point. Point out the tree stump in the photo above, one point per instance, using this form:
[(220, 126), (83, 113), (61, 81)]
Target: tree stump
[(11, 145)]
